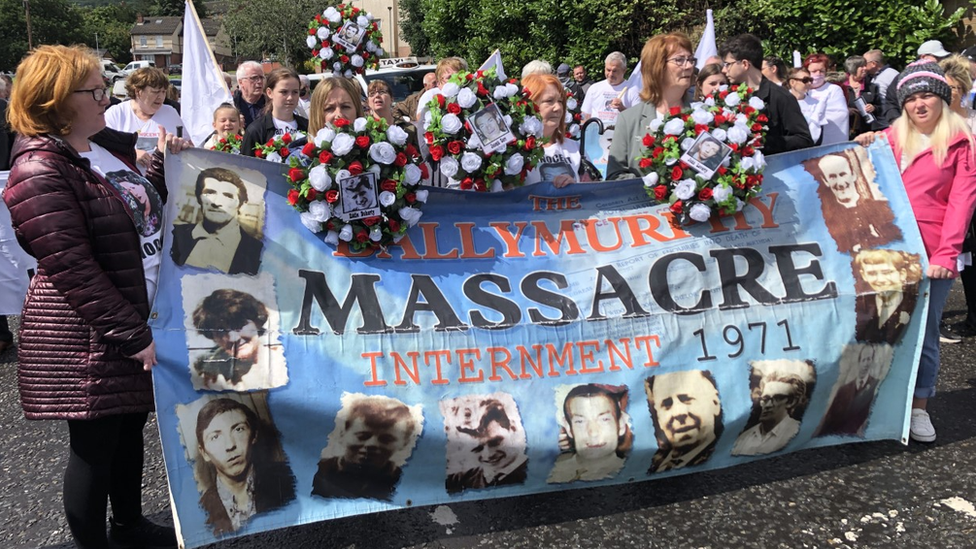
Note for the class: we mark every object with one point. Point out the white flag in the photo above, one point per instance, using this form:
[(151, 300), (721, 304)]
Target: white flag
[(495, 60), (204, 88), (707, 47)]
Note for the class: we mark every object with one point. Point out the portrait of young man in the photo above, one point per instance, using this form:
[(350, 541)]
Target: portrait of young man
[(240, 466), (359, 196), (218, 241), (862, 369), (486, 443), (687, 415), (597, 433), (235, 321), (373, 439), (784, 390), (887, 282)]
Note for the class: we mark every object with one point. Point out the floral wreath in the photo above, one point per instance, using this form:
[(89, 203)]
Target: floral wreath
[(453, 143), (732, 117), (278, 149), (230, 144), (326, 41), (574, 116), (347, 149)]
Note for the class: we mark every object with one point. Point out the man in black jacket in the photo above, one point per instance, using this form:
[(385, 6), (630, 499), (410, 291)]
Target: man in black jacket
[(742, 59), (250, 98)]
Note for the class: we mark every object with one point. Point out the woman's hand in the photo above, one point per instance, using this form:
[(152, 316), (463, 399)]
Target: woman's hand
[(866, 138), (146, 356), (869, 107), (171, 142), (938, 271), (562, 180)]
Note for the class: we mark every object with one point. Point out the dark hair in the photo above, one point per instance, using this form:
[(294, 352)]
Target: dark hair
[(222, 174), (744, 47), (219, 406), (779, 67), (494, 413), (228, 309), (617, 396), (275, 76)]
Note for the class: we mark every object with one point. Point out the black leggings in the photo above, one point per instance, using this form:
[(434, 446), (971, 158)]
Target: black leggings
[(105, 462)]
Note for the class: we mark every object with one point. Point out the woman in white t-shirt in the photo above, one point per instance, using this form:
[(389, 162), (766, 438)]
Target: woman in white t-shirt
[(837, 128), (561, 163), (145, 113), (815, 112), (279, 115)]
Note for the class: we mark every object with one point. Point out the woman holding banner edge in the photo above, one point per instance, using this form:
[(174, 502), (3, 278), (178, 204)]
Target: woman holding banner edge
[(86, 349), (936, 154)]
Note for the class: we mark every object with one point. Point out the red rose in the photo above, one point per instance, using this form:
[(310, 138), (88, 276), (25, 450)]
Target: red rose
[(344, 58), (311, 32), (270, 143), (388, 185), (762, 119), (284, 152), (454, 108), (530, 143), (293, 196), (482, 90), (286, 138), (454, 147), (480, 74), (329, 225), (410, 198), (315, 53), (734, 147), (700, 129), (355, 168), (645, 163), (340, 122), (370, 221), (362, 141), (578, 117), (308, 149), (412, 151), (658, 151), (684, 117), (757, 127), (747, 109), (394, 225), (401, 160), (296, 174), (676, 173), (332, 196), (258, 153), (223, 141), (310, 194), (479, 185), (648, 140), (705, 194), (467, 183), (676, 207), (325, 157), (660, 193), (719, 120), (437, 152), (675, 111), (429, 137), (748, 151), (723, 94), (440, 100), (722, 170), (362, 236), (423, 171)]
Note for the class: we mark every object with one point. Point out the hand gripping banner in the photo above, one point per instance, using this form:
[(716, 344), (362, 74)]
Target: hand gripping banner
[(522, 342)]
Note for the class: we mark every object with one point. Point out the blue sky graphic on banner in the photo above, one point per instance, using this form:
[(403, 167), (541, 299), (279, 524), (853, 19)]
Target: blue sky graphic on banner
[(522, 342)]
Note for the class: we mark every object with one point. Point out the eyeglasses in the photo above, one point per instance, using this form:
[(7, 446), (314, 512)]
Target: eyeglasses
[(258, 78), (303, 92), (374, 93), (805, 80), (97, 93), (682, 61), (727, 64)]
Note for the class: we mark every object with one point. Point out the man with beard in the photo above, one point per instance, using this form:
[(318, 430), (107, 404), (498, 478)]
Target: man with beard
[(502, 460), (687, 415)]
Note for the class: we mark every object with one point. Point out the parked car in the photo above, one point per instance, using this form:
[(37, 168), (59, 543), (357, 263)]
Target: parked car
[(402, 81), (111, 72), (136, 65), (176, 69)]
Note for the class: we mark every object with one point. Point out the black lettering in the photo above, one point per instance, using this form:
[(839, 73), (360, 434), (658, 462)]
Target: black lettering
[(434, 301), (621, 292), (566, 306), (748, 281), (361, 290), (790, 274), (661, 290), (511, 314)]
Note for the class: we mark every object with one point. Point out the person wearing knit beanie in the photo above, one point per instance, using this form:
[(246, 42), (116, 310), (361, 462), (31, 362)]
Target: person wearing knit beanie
[(923, 76)]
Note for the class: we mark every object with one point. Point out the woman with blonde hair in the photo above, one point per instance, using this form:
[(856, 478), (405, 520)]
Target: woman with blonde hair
[(934, 149), (334, 97), (145, 113), (956, 69), (667, 70), (86, 350)]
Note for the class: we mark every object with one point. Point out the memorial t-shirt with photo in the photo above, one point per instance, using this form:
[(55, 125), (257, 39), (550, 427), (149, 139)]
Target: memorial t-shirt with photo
[(559, 158), (598, 99), (121, 117)]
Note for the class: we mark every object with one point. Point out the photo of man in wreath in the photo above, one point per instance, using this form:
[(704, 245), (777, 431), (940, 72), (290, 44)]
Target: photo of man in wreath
[(359, 197), (491, 129), (706, 155), (350, 35)]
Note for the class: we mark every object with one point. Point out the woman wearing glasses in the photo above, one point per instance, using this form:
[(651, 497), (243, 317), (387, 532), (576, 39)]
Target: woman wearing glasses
[(86, 350), (144, 113), (814, 111), (667, 69)]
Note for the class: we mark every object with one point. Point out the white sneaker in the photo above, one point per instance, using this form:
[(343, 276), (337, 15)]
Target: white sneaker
[(922, 429)]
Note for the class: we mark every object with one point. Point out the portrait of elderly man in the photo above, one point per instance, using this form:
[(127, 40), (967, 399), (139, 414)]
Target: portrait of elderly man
[(862, 368), (235, 321), (887, 283), (240, 465), (855, 218), (373, 438), (597, 434), (218, 241), (784, 390), (687, 415), (486, 447)]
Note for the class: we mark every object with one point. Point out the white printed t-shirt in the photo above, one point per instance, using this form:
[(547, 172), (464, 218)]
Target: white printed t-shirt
[(121, 117), (560, 158), (597, 101)]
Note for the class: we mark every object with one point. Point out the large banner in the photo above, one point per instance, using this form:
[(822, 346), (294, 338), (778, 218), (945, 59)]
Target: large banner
[(522, 342), (16, 267)]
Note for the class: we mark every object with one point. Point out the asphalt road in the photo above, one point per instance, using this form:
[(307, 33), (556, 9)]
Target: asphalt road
[(859, 495)]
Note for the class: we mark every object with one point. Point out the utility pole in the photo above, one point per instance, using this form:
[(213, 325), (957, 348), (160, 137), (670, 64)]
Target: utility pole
[(30, 40), (96, 43)]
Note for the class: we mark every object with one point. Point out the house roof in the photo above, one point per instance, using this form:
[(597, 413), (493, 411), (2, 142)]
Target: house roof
[(157, 25)]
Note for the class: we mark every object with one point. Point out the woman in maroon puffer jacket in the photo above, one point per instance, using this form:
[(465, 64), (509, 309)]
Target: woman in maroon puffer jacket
[(80, 207)]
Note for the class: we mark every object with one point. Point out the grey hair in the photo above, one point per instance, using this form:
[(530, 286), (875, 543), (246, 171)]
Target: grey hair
[(248, 65), (875, 55), (853, 63), (536, 66), (616, 57)]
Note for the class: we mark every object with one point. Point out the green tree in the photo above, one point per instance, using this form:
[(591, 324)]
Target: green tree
[(113, 23), (412, 26), (176, 8), (52, 22), (274, 28)]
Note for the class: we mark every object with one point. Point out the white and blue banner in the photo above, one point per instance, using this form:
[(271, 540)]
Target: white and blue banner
[(522, 342)]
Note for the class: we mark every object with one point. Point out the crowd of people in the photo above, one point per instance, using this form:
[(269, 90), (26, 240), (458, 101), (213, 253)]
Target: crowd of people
[(90, 299)]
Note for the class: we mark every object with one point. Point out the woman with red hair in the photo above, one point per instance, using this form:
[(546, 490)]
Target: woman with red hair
[(837, 115), (561, 163)]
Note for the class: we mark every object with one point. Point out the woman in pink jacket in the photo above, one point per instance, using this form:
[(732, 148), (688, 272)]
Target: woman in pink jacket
[(934, 149)]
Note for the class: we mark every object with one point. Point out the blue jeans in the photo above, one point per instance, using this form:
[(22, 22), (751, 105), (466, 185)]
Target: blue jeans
[(928, 364)]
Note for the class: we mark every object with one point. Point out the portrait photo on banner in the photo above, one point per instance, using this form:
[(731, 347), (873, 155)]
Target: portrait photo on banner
[(239, 465), (492, 130), (706, 154), (486, 442), (233, 333), (219, 225), (373, 438), (886, 282), (862, 369), (857, 215), (595, 435), (780, 391), (687, 414), (359, 197)]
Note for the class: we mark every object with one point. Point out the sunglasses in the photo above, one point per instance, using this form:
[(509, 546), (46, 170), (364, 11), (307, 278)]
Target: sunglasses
[(805, 80), (303, 92)]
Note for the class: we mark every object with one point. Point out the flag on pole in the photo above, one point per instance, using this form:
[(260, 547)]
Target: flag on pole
[(707, 47), (495, 60), (204, 88)]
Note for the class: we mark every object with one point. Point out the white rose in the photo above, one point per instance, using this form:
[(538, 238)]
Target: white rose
[(342, 144), (574, 129), (727, 161), (674, 126), (449, 166), (347, 73), (310, 223), (756, 103), (320, 210), (346, 233), (369, 16), (512, 89), (370, 46), (375, 168), (329, 12), (741, 120), (319, 178), (655, 125), (342, 175), (696, 105), (747, 163), (514, 164), (670, 161), (739, 205), (700, 212), (719, 133), (737, 135), (323, 33), (499, 92), (732, 99), (421, 195), (410, 215), (336, 67), (273, 157), (379, 52), (387, 198), (531, 126), (685, 189), (325, 135), (332, 238), (710, 101), (396, 135), (651, 179), (720, 193), (334, 17), (702, 117), (723, 87), (571, 104), (473, 142), (411, 174), (362, 21), (760, 160), (686, 143), (508, 121), (427, 119), (359, 125), (450, 89), (470, 162), (568, 118), (450, 123), (496, 186), (382, 152), (376, 234), (356, 61), (311, 42), (465, 97)]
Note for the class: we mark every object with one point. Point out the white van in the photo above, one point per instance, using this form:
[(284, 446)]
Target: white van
[(136, 65), (111, 72)]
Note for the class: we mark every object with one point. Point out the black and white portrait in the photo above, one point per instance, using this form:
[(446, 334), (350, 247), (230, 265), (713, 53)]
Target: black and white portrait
[(594, 432), (706, 155), (887, 292), (491, 129), (687, 415), (780, 391), (349, 36), (486, 443), (862, 369), (359, 197)]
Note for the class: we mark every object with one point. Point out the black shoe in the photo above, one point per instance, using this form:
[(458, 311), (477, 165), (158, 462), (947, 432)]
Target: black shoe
[(141, 534), (964, 329), (947, 335)]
